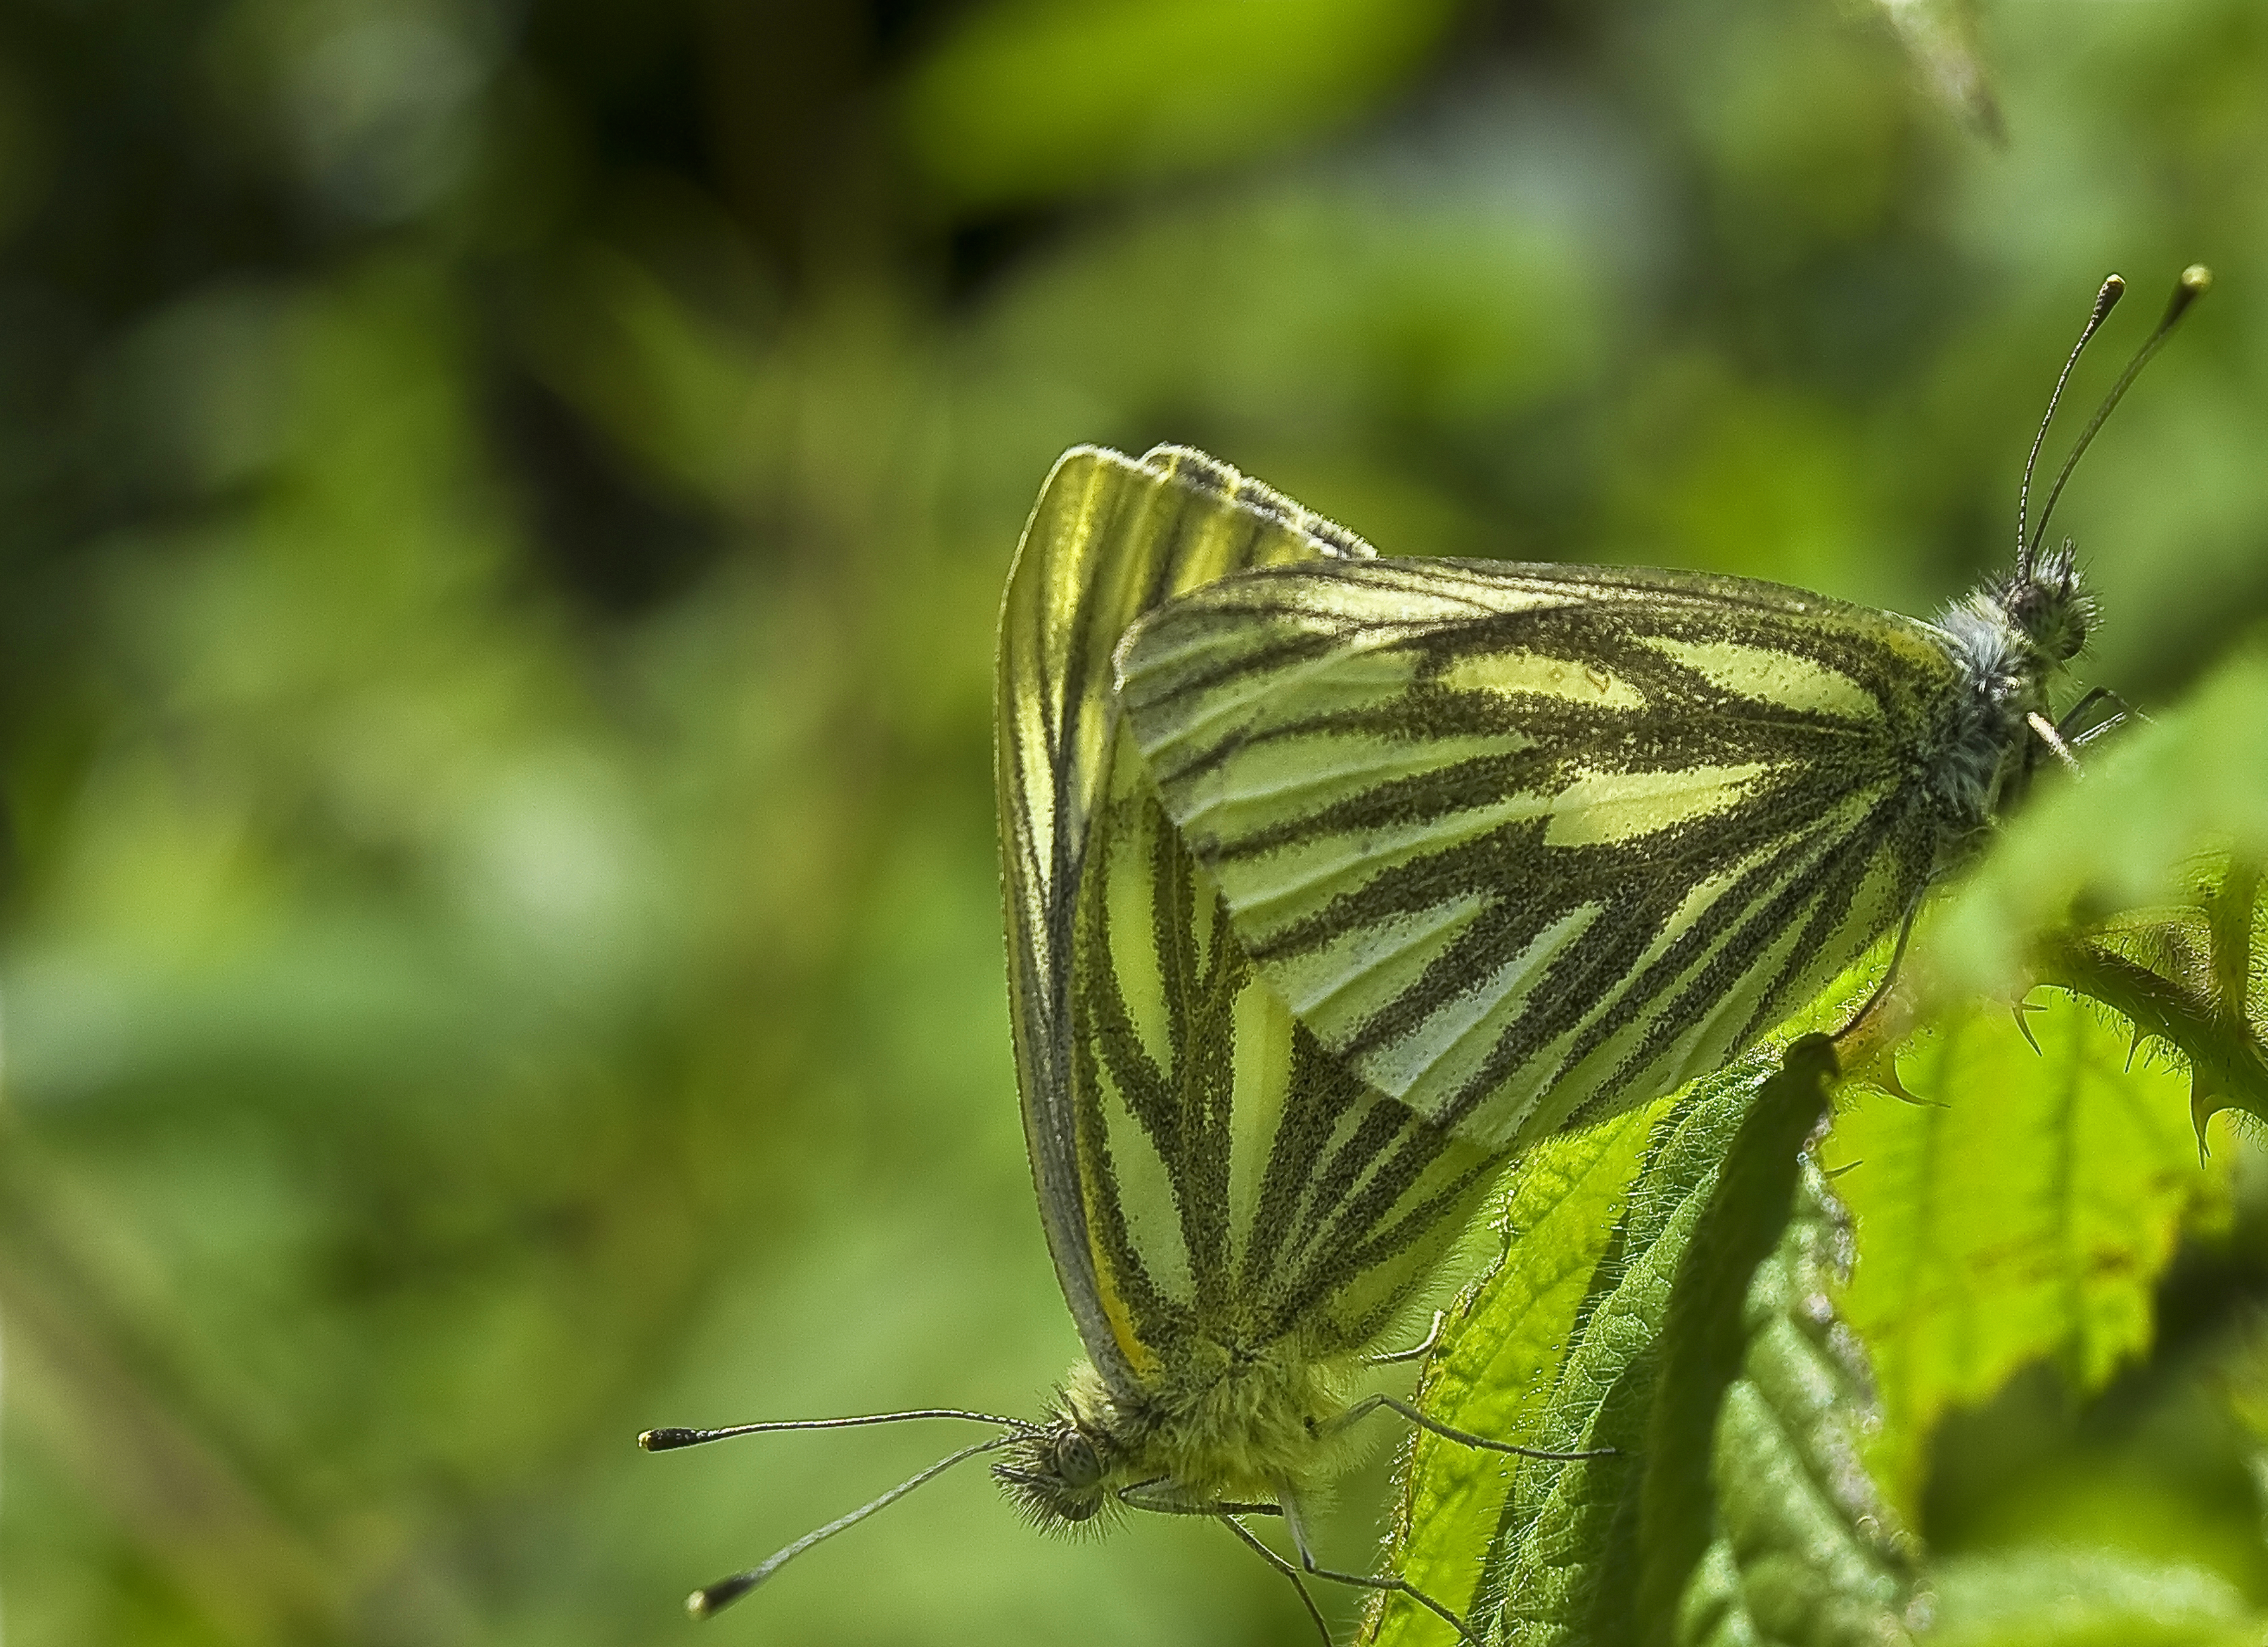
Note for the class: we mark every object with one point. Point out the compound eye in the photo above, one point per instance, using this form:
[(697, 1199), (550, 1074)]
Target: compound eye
[(1076, 1462)]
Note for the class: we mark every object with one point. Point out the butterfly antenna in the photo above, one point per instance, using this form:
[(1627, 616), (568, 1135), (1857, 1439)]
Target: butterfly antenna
[(2114, 287), (715, 1598), (2196, 281), (672, 1437)]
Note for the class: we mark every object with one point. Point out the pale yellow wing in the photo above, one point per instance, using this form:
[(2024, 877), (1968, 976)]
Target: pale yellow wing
[(1110, 539)]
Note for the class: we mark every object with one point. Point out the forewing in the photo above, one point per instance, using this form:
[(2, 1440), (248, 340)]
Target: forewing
[(1110, 539), (1525, 843)]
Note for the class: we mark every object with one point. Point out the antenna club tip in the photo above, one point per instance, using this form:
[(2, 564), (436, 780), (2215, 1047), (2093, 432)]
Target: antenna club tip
[(707, 1603), (2196, 281), (664, 1439)]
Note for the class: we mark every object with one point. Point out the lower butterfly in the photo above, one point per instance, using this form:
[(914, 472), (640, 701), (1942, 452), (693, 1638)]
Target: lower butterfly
[(1332, 882)]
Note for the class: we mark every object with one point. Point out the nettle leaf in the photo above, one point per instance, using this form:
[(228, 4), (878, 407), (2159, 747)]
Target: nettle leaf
[(2020, 1207), (1757, 1521), (1541, 1530), (1700, 1346), (1496, 1373), (2191, 977), (1565, 1526)]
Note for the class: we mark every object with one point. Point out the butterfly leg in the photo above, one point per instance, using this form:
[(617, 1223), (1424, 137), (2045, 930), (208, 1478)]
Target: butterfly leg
[(1154, 1497), (1881, 992), (1418, 1352), (2074, 719), (1370, 1404), (1253, 1542), (1366, 1581)]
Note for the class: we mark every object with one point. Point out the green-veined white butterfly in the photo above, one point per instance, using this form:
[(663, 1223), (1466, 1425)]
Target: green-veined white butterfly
[(1525, 845), (1332, 882)]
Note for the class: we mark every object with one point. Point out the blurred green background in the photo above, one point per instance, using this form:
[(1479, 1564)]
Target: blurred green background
[(502, 509)]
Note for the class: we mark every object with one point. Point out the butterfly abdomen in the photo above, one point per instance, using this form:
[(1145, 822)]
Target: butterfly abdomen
[(1232, 1427)]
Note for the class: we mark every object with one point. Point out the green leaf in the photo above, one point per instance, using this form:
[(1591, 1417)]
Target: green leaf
[(1565, 1526), (2021, 1209), (1757, 1521), (1732, 1485), (1543, 1528), (1496, 1376), (2078, 1598), (2192, 976)]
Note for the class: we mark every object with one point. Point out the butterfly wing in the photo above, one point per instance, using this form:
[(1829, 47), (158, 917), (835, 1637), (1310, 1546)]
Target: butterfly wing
[(1524, 843), (1110, 539), (1240, 1187)]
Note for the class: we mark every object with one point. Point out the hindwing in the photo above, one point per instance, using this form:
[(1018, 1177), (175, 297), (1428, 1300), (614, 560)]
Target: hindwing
[(1109, 538), (1526, 843), (1240, 1187)]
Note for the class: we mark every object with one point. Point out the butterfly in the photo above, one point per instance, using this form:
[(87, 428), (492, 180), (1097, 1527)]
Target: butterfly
[(1524, 845), (1332, 882)]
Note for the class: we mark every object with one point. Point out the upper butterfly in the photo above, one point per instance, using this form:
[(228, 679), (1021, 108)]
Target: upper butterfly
[(1332, 882), (1525, 845)]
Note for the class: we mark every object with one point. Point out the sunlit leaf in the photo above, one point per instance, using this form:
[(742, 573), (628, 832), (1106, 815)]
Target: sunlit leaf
[(1503, 1345), (2021, 1208), (2191, 977), (1758, 1522), (1702, 1353), (1545, 1530)]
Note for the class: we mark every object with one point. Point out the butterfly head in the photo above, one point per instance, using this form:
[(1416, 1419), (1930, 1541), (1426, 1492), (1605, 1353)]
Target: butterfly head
[(1057, 1473), (2045, 601)]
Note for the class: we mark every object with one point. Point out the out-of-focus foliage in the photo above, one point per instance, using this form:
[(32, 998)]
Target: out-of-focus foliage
[(1042, 101), (2047, 1597), (502, 510), (1941, 34)]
